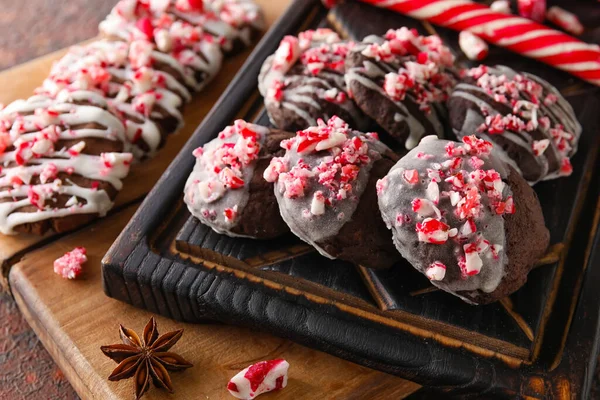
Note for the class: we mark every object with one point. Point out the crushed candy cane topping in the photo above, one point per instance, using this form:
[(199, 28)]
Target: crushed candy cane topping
[(336, 172), (228, 159), (455, 202), (259, 378), (538, 113), (172, 24), (237, 13), (69, 266), (422, 70), (216, 190), (326, 56)]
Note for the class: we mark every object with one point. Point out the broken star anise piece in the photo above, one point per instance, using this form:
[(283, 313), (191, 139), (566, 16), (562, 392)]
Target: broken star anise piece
[(147, 359)]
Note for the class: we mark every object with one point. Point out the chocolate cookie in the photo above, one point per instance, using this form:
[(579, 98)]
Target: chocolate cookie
[(62, 164), (165, 41), (149, 100), (325, 187), (226, 190), (303, 81), (402, 81), (534, 128), (464, 218), (175, 23)]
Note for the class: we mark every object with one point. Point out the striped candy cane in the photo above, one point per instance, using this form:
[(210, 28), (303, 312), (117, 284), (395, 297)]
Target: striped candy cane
[(512, 32)]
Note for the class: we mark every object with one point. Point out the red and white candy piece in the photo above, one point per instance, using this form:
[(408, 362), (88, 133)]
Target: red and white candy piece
[(473, 46), (432, 230), (565, 20), (532, 9), (436, 271), (259, 378), (69, 265), (473, 262)]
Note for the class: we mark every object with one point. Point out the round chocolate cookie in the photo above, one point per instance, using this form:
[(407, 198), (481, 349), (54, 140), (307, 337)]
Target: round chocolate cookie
[(532, 126), (402, 81), (303, 81), (226, 190), (325, 187), (464, 218)]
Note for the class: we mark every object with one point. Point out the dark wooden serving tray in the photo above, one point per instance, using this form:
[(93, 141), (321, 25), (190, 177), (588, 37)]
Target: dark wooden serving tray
[(539, 342)]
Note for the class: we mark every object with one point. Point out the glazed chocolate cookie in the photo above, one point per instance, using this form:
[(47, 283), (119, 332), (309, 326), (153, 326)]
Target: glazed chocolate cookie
[(402, 81), (149, 101), (175, 23), (303, 81), (533, 127), (464, 218), (62, 164), (226, 190), (325, 187)]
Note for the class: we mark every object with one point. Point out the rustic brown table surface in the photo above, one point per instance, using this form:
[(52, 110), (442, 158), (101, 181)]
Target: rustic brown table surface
[(28, 29)]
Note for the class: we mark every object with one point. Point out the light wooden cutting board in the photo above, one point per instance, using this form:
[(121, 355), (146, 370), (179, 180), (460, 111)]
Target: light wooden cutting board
[(74, 318)]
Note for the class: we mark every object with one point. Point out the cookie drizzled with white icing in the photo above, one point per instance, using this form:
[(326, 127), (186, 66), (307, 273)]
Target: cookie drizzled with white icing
[(184, 47), (303, 81), (59, 161), (534, 127), (147, 100), (402, 80), (320, 183), (171, 23), (218, 189), (446, 204)]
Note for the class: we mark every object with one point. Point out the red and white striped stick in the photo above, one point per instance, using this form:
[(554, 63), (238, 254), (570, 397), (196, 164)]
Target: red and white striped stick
[(512, 32)]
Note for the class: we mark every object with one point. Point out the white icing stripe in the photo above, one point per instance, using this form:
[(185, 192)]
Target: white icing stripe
[(70, 115), (89, 166), (96, 202), (302, 113)]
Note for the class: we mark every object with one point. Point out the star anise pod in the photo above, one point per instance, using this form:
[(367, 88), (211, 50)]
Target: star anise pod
[(147, 359)]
